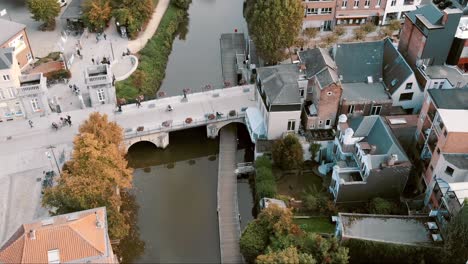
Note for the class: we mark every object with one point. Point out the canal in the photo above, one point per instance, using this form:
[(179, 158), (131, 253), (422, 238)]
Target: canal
[(176, 188)]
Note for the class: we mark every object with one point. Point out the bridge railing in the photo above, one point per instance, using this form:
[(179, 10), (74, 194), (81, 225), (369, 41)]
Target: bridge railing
[(171, 125)]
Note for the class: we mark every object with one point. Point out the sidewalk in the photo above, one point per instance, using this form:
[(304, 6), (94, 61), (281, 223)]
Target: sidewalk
[(136, 45)]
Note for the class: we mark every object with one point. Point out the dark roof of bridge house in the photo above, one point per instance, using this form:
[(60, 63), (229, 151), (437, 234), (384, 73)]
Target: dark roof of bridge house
[(450, 98), (73, 10), (280, 83)]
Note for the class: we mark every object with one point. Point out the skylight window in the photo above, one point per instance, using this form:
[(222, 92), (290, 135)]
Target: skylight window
[(394, 82), (53, 256)]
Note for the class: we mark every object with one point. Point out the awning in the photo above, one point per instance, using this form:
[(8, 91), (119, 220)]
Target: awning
[(255, 123)]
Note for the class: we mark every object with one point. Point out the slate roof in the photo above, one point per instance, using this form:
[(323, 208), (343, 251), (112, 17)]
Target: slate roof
[(458, 160), (364, 92), (316, 60), (378, 59), (76, 236), (6, 58), (9, 29), (376, 132), (429, 11), (326, 77), (280, 83), (450, 98)]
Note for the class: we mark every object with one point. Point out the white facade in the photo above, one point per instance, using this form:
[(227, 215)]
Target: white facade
[(395, 9), (10, 107), (443, 169), (282, 122), (410, 85)]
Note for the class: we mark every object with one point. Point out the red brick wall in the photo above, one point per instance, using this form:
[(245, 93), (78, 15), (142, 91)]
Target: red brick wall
[(21, 57), (412, 42), (328, 104)]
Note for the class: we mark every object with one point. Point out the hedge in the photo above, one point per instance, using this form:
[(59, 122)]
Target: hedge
[(265, 184), (153, 58)]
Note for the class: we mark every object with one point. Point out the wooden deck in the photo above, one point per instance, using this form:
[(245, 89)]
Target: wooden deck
[(228, 210), (231, 44)]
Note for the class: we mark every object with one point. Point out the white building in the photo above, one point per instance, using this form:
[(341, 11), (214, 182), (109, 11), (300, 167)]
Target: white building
[(21, 96), (279, 96), (396, 9), (100, 86)]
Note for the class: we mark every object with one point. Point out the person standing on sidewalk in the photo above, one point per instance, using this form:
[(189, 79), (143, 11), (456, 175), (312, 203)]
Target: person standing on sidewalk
[(30, 122), (69, 120), (105, 36)]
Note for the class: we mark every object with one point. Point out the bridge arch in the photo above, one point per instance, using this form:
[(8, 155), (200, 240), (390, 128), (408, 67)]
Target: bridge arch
[(142, 141), (212, 130), (160, 140)]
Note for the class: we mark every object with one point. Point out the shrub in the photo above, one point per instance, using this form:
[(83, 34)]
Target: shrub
[(359, 34), (394, 25), (311, 32), (265, 184), (381, 206), (183, 4), (368, 27), (314, 148), (386, 32), (253, 241), (58, 74), (287, 153), (330, 39), (339, 30), (263, 162)]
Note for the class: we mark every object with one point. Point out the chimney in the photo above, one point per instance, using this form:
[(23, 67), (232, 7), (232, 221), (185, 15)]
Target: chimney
[(98, 221), (32, 234), (392, 159)]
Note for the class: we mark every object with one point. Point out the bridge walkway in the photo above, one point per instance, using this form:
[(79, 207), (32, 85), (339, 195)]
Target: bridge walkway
[(228, 209)]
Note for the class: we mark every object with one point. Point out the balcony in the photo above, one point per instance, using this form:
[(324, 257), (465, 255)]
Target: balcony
[(98, 75), (32, 84)]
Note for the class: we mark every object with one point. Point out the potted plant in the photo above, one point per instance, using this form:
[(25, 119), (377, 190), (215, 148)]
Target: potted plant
[(188, 120), (140, 128), (161, 94), (211, 116), (232, 113)]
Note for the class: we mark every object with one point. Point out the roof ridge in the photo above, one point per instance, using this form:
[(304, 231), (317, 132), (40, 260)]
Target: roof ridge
[(71, 226)]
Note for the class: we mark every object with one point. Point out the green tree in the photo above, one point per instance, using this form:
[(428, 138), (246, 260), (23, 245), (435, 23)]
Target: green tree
[(456, 241), (287, 153), (96, 14), (183, 4), (324, 250), (289, 255), (134, 14), (339, 30), (263, 162), (394, 24), (105, 131), (253, 241), (314, 148), (265, 184), (311, 32), (359, 34), (45, 11), (381, 206), (274, 25)]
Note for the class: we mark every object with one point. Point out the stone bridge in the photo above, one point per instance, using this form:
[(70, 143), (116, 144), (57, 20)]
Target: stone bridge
[(152, 122)]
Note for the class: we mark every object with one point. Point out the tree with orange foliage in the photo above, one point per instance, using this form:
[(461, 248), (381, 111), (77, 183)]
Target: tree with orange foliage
[(95, 175), (96, 14)]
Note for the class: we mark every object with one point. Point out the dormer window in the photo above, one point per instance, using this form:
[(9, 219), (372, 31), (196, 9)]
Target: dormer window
[(53, 256), (394, 82)]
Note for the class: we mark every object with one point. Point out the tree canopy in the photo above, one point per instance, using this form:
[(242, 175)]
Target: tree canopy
[(274, 25), (95, 175), (287, 153), (96, 14), (289, 255), (133, 14), (44, 10), (456, 242)]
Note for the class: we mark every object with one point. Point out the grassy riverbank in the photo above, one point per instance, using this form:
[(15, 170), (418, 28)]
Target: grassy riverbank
[(153, 58)]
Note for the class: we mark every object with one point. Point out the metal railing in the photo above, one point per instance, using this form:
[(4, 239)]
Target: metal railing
[(178, 125), (28, 90)]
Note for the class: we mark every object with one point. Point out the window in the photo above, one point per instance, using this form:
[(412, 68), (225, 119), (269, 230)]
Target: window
[(376, 110), (53, 256), (100, 94), (11, 92), (35, 105), (344, 4), (6, 77), (441, 84), (435, 84), (320, 122), (312, 11), (328, 122), (431, 168), (356, 3), (445, 133), (449, 170), (329, 93), (28, 56), (393, 3), (378, 3), (350, 109), (301, 91), (291, 125), (409, 86), (367, 3), (406, 97), (2, 94), (326, 10), (438, 150)]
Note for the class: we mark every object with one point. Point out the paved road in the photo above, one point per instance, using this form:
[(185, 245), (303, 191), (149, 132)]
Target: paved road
[(228, 210)]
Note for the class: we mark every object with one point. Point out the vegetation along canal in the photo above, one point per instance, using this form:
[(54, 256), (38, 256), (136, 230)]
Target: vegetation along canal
[(176, 188)]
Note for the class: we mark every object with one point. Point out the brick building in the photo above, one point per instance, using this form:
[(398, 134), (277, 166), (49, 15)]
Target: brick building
[(355, 12), (14, 35), (319, 14)]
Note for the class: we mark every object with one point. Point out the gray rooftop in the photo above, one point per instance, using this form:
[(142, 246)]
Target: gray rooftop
[(455, 77), (432, 14), (6, 58), (379, 59), (450, 98), (359, 92), (9, 29), (280, 83), (407, 230), (376, 132), (458, 160), (73, 10), (316, 60)]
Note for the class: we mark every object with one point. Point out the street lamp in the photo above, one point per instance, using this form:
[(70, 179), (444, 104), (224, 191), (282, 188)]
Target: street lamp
[(53, 154)]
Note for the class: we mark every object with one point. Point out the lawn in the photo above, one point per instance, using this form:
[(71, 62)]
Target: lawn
[(315, 224), (295, 184)]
